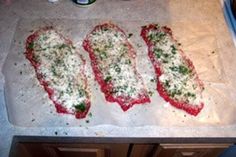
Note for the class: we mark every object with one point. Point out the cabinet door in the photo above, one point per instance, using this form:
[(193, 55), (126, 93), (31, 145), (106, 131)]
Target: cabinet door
[(190, 150), (143, 150), (77, 152), (86, 150), (72, 150), (29, 150)]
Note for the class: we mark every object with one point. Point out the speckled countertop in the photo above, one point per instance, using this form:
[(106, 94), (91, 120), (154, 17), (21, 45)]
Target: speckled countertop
[(105, 9)]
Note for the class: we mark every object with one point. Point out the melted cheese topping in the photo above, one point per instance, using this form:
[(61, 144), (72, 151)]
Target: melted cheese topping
[(115, 62), (177, 77), (61, 67)]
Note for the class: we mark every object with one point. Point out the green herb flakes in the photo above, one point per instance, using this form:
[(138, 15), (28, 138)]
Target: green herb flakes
[(108, 78), (80, 107), (31, 46)]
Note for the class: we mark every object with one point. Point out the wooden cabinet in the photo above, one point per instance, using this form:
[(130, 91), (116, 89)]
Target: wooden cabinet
[(190, 150), (74, 150), (143, 150), (119, 150)]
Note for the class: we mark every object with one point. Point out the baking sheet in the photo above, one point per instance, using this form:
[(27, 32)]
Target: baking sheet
[(28, 104)]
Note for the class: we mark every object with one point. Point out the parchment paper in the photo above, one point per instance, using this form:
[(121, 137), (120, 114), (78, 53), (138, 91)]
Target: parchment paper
[(28, 104)]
